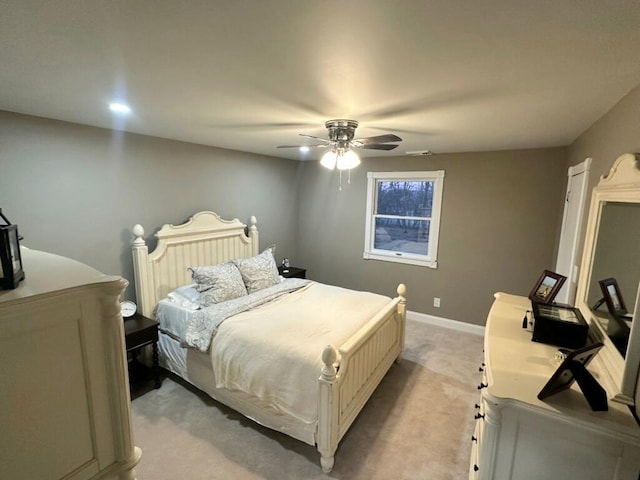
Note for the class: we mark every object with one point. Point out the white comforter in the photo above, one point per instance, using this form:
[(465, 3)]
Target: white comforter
[(274, 352)]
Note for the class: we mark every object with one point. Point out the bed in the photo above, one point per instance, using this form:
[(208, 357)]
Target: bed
[(346, 370)]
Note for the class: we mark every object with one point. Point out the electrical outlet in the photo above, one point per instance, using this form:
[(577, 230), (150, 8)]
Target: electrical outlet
[(436, 302)]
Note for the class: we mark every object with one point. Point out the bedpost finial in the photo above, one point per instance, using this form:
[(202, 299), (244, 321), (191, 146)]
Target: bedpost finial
[(402, 290), (329, 357), (138, 231), (253, 221)]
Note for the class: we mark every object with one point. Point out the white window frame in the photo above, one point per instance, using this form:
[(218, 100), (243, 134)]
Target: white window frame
[(370, 253)]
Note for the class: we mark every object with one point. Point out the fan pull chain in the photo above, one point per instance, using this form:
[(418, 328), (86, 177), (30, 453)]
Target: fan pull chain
[(348, 178)]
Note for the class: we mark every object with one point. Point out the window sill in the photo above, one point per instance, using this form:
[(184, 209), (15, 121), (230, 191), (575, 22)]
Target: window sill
[(406, 259)]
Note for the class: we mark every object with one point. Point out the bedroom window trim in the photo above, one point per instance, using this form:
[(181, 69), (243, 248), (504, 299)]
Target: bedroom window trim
[(370, 252)]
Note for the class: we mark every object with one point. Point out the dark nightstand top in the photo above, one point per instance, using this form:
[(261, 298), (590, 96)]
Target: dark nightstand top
[(294, 272), (139, 331)]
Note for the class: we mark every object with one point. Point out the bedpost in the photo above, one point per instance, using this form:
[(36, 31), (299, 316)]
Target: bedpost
[(253, 235), (140, 253), (402, 305), (327, 423), (402, 311)]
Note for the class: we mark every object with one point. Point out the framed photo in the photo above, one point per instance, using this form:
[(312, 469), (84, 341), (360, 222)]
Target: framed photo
[(547, 287), (574, 368), (613, 297), (562, 378)]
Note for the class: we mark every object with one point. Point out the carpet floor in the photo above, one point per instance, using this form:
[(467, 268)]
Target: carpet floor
[(417, 424)]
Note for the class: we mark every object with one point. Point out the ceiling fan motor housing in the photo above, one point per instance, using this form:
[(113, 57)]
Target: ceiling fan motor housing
[(341, 138), (341, 130)]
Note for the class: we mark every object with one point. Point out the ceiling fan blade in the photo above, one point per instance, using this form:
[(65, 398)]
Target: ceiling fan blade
[(319, 145), (379, 146), (315, 138), (389, 137)]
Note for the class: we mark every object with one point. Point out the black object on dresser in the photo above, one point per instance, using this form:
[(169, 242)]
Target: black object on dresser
[(292, 272), (560, 325), (141, 331)]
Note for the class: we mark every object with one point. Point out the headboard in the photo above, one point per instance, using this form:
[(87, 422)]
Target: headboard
[(205, 239)]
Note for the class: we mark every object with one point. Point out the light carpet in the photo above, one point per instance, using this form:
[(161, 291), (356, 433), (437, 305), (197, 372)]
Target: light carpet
[(417, 424)]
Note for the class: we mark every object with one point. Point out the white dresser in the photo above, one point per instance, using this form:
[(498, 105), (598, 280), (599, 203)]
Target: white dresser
[(64, 396), (519, 437)]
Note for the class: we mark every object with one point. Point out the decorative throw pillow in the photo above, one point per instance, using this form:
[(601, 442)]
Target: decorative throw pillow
[(187, 296), (218, 283), (260, 271)]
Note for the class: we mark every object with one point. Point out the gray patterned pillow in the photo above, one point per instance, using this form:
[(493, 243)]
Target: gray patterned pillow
[(260, 271), (218, 283)]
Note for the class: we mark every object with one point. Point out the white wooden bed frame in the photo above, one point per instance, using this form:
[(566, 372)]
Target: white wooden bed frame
[(206, 239)]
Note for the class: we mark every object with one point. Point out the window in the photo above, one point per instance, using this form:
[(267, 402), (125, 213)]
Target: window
[(403, 217)]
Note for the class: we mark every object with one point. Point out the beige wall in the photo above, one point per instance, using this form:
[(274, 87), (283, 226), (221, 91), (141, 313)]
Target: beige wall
[(615, 133), (77, 191), (498, 229)]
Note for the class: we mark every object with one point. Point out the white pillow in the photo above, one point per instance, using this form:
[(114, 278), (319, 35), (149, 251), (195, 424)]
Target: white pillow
[(186, 296), (218, 283), (260, 271)]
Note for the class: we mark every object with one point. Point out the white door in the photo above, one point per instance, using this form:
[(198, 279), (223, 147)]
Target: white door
[(572, 218)]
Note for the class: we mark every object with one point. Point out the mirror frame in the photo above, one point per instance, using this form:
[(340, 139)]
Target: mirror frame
[(619, 375)]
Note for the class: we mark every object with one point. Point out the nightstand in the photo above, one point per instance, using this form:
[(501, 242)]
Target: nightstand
[(293, 272), (140, 331)]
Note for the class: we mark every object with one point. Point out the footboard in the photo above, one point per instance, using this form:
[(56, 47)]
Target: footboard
[(364, 360)]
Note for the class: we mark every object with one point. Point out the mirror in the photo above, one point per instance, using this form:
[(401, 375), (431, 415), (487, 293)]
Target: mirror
[(611, 266), (616, 256)]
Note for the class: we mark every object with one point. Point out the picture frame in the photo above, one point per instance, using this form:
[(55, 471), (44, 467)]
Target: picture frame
[(547, 287), (574, 368), (613, 297)]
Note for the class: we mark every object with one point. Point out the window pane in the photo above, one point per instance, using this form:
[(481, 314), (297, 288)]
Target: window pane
[(399, 235), (405, 198)]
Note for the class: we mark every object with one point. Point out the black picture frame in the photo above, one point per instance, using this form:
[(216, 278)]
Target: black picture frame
[(613, 297), (11, 270), (547, 287), (573, 368)]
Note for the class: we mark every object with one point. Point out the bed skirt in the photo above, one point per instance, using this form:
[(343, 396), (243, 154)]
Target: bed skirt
[(195, 367)]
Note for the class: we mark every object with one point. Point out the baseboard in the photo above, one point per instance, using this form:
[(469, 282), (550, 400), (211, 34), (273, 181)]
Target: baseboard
[(446, 323)]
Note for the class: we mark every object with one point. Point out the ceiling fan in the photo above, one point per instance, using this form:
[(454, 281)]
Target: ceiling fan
[(341, 143)]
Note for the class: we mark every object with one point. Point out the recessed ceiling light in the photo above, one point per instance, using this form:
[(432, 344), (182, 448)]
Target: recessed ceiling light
[(119, 108), (304, 149)]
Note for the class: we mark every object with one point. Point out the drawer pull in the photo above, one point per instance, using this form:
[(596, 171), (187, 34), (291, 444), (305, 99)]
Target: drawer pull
[(481, 386), (479, 415), (474, 439), (477, 406), (481, 369), (476, 468)]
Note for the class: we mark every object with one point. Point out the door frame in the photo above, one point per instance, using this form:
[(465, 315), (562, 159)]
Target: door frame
[(573, 274)]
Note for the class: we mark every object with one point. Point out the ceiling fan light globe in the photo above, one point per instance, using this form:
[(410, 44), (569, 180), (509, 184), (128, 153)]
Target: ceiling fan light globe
[(328, 160), (348, 160)]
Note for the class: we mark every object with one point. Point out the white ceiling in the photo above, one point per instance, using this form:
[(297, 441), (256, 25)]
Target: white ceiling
[(448, 76)]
